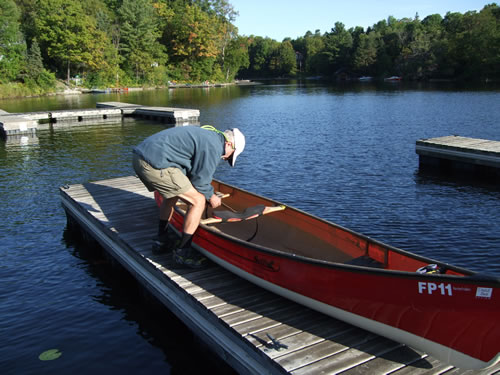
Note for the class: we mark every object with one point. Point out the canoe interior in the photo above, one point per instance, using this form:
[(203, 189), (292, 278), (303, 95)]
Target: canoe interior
[(297, 233)]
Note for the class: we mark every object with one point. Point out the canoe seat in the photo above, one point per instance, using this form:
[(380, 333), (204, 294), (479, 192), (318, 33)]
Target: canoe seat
[(365, 261)]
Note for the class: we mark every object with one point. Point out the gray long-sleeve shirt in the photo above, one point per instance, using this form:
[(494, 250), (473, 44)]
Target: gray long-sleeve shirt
[(194, 150)]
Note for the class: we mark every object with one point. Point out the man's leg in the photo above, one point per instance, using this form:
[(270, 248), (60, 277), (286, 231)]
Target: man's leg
[(150, 178), (166, 212), (184, 254), (167, 239), (192, 218), (167, 208)]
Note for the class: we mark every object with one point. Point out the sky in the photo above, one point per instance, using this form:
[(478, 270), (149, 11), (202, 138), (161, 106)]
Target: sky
[(279, 19)]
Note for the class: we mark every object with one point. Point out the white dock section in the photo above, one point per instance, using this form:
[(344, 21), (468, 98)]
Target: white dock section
[(253, 330), (12, 124), (30, 122), (473, 151), (25, 123)]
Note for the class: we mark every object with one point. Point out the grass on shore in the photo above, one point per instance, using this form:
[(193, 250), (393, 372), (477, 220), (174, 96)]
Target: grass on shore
[(19, 90)]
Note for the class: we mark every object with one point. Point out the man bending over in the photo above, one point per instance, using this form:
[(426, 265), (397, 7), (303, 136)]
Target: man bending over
[(180, 163)]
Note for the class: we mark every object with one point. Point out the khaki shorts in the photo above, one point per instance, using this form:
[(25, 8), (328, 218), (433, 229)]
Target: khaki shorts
[(169, 182)]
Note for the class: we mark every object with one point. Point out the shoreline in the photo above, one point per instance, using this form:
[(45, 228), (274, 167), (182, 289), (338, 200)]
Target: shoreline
[(82, 90)]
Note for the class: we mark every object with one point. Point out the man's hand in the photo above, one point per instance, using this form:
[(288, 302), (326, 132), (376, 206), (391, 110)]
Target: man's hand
[(215, 201)]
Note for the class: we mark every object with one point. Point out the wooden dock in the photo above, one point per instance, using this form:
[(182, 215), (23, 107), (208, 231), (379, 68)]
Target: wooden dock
[(253, 330), (454, 152), (30, 122)]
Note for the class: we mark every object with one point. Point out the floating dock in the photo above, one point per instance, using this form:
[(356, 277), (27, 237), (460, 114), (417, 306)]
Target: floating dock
[(30, 122), (253, 330), (460, 153)]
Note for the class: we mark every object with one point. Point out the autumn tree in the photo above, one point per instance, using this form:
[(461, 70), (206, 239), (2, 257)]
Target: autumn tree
[(69, 36), (194, 41)]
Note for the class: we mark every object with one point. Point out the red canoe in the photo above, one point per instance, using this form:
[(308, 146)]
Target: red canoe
[(448, 312)]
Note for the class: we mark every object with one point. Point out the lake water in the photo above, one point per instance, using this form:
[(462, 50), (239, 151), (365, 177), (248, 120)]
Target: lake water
[(344, 153)]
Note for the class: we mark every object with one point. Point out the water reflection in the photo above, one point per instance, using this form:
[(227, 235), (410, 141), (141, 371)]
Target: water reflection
[(487, 183), (15, 141)]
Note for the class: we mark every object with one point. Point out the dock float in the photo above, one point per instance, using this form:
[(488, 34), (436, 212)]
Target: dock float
[(254, 331), (460, 153), (30, 122)]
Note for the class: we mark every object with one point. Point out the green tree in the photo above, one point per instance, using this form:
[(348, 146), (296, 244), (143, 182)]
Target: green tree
[(27, 9), (474, 44), (236, 57), (394, 38), (314, 44), (35, 74), (260, 53), (365, 56), (34, 65), (416, 57), (69, 36), (283, 60), (433, 29), (139, 45), (338, 45), (12, 44)]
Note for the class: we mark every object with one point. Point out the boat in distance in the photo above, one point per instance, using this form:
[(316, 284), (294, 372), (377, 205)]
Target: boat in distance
[(445, 311), (393, 79)]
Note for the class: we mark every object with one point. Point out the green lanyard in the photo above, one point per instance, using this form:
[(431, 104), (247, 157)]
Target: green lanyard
[(210, 127)]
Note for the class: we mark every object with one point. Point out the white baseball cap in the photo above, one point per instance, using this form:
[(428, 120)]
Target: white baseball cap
[(239, 145)]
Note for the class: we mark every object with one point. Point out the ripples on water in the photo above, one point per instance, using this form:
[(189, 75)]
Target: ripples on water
[(346, 154)]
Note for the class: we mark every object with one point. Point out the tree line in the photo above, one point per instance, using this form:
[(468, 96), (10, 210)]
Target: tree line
[(457, 46), (153, 42)]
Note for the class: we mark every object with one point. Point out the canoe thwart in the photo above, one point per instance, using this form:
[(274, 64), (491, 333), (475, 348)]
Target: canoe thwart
[(247, 214)]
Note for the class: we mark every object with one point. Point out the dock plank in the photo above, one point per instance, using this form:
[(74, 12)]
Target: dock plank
[(236, 318)]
